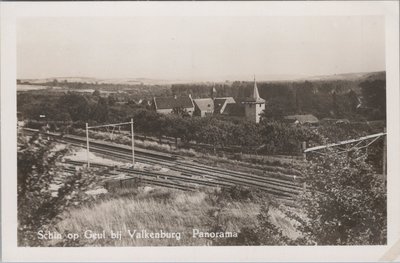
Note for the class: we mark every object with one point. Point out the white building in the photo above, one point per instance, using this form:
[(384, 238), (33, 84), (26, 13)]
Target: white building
[(254, 105)]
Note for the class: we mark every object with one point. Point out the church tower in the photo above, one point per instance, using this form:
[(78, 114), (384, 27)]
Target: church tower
[(213, 92), (254, 105)]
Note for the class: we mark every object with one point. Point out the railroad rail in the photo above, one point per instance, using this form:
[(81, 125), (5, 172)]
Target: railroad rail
[(135, 178), (158, 179), (273, 185), (279, 185)]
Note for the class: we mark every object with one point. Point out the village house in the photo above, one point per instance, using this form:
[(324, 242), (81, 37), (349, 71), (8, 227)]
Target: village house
[(203, 107), (250, 107), (167, 105), (221, 103)]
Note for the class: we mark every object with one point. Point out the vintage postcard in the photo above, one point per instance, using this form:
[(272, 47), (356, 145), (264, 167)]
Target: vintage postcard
[(200, 131)]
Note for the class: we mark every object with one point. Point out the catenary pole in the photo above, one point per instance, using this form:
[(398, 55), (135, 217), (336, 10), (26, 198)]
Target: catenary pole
[(384, 158), (133, 143), (87, 144)]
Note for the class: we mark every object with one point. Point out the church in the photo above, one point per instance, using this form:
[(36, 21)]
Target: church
[(250, 107), (254, 105)]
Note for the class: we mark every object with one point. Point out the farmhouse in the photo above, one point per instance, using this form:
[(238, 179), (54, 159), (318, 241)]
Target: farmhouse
[(166, 105), (203, 107), (221, 103)]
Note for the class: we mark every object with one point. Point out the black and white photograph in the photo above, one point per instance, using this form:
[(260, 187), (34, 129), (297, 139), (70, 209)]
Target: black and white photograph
[(201, 131)]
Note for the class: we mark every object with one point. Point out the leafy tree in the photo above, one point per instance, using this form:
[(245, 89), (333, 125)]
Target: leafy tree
[(283, 138), (264, 233), (96, 93), (213, 134), (374, 94), (177, 127), (275, 109), (38, 207), (111, 100), (147, 121), (100, 112), (344, 202), (76, 105)]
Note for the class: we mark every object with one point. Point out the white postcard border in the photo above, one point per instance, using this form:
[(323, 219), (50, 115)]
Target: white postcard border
[(11, 11)]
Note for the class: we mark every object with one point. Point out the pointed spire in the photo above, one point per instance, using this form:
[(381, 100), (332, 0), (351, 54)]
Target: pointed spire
[(213, 91), (256, 95)]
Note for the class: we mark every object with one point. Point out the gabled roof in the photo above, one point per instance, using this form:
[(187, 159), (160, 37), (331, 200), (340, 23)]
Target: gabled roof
[(306, 118), (162, 103), (220, 103), (206, 104), (234, 109)]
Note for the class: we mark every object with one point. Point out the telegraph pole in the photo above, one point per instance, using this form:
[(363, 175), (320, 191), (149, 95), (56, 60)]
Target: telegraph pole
[(133, 144), (87, 144)]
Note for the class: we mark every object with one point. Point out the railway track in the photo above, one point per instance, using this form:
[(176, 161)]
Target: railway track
[(218, 178), (156, 175), (133, 179), (134, 176), (283, 187), (271, 185), (157, 179)]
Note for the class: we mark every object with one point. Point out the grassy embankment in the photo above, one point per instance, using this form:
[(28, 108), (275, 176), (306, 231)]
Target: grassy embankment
[(167, 210)]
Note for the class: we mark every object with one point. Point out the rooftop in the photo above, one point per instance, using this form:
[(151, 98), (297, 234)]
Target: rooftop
[(254, 96), (206, 104), (173, 102)]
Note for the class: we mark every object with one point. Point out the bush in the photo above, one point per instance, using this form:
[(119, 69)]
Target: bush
[(38, 207), (344, 202)]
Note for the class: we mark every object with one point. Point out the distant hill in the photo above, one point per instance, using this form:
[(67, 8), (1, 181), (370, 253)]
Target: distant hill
[(261, 78), (119, 81), (349, 76)]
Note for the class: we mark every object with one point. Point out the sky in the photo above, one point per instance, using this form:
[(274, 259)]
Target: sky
[(199, 48)]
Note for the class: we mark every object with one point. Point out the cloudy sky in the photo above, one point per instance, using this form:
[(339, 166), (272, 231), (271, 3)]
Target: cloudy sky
[(199, 48)]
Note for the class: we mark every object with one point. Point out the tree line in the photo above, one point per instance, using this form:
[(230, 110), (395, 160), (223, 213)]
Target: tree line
[(351, 99), (271, 136)]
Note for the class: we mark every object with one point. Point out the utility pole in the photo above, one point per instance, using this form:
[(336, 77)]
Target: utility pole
[(384, 157), (133, 144), (106, 126), (303, 148), (87, 144)]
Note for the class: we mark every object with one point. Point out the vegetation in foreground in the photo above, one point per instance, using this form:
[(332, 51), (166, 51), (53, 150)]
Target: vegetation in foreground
[(344, 204), (166, 210)]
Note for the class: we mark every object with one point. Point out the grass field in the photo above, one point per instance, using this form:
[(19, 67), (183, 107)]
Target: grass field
[(161, 209)]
